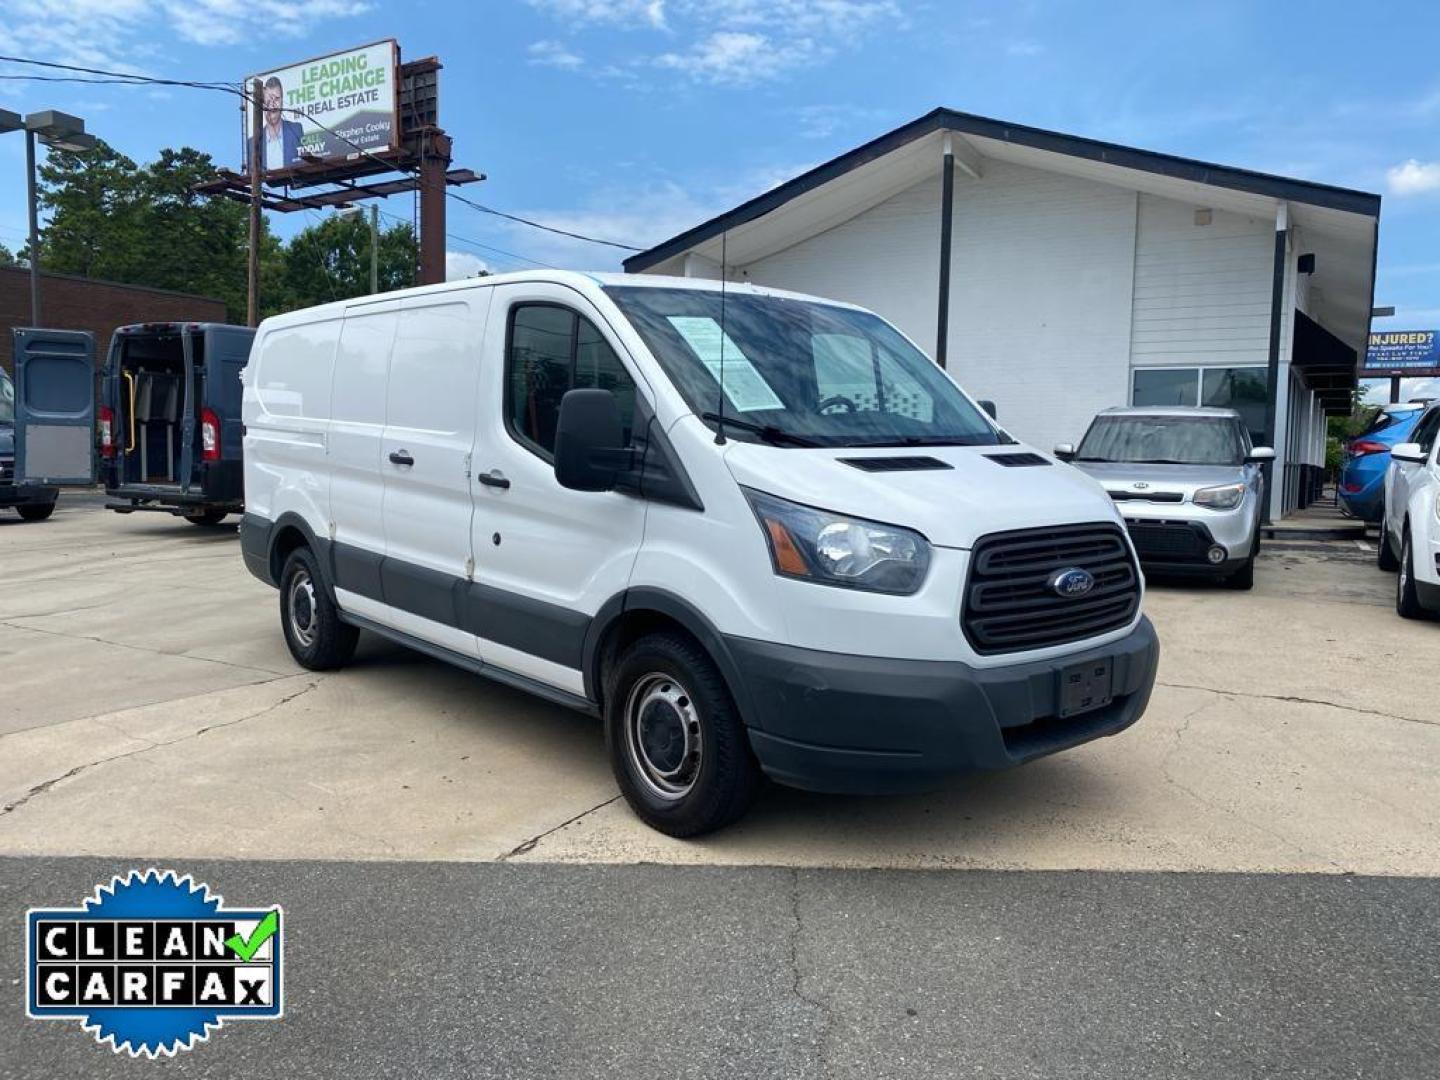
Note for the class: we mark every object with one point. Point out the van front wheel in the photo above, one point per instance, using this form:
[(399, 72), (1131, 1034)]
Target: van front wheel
[(317, 638), (676, 740)]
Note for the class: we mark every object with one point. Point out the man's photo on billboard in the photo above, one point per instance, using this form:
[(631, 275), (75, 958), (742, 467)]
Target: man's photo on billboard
[(280, 138)]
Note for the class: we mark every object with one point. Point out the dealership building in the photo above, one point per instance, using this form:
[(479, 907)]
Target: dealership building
[(1058, 275)]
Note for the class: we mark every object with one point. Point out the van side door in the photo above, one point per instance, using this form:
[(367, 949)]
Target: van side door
[(357, 424), (546, 558), (425, 456), (54, 406)]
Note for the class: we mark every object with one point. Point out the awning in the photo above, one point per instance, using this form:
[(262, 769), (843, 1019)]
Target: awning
[(1325, 364)]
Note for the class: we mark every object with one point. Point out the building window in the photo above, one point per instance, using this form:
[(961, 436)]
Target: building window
[(553, 350), (1240, 388)]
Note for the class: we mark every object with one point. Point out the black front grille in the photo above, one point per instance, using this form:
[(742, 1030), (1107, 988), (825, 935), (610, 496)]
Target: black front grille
[(1148, 496), (1173, 541), (7, 472), (1010, 604)]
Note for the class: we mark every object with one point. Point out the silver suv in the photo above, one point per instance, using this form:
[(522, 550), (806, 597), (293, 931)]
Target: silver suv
[(1188, 483)]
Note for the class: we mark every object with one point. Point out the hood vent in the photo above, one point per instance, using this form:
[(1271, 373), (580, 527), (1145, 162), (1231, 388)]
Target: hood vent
[(894, 464), (1016, 461)]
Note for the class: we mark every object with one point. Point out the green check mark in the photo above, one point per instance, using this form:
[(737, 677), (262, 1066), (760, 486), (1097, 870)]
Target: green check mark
[(246, 948)]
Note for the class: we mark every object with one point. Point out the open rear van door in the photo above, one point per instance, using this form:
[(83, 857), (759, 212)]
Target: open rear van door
[(54, 407)]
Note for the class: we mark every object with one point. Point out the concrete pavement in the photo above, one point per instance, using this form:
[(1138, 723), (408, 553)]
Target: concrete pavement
[(486, 970), (152, 711)]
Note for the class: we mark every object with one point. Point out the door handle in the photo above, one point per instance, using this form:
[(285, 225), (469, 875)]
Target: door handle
[(401, 457), (494, 479)]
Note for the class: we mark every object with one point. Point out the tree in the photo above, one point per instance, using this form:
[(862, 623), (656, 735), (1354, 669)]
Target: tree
[(7, 259), (95, 204), (330, 260)]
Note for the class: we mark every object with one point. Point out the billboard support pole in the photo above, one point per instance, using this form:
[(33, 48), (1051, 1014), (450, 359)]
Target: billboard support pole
[(257, 136), (1394, 389), (434, 160)]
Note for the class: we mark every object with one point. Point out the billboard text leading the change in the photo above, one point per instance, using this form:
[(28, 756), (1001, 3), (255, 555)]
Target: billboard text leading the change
[(333, 108)]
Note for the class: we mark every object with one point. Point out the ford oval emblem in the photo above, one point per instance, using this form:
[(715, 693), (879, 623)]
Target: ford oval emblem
[(1072, 583)]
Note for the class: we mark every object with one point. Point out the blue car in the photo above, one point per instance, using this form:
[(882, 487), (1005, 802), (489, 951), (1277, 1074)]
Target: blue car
[(1367, 457)]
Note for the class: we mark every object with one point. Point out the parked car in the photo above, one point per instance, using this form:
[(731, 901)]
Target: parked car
[(1189, 484), (838, 572), (33, 502), (1367, 458), (169, 416), (1410, 532)]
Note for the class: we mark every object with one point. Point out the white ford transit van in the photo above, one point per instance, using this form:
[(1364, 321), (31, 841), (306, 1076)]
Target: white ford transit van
[(838, 572)]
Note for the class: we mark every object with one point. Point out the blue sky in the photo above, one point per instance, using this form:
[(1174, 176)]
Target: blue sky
[(632, 119)]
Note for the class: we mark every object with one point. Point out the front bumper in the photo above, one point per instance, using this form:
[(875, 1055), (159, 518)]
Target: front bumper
[(869, 725), (1177, 540), (27, 495)]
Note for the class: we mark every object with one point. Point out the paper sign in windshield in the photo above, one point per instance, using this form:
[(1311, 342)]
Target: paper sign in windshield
[(744, 385)]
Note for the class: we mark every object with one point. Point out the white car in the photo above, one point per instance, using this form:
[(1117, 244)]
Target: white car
[(1410, 529), (837, 571)]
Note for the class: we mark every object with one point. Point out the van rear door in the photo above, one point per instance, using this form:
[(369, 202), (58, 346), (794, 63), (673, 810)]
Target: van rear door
[(54, 406)]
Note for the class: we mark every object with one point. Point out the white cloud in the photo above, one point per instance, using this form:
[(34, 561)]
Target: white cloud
[(738, 57), (615, 12), (1413, 177), (731, 42), (462, 264), (554, 54), (117, 33)]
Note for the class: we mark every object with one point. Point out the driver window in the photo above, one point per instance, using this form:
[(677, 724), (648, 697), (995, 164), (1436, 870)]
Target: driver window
[(1427, 429)]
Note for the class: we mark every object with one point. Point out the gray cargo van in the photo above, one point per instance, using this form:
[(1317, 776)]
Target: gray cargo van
[(169, 416)]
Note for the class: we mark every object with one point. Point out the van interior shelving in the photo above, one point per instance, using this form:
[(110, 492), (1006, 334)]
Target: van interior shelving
[(153, 407)]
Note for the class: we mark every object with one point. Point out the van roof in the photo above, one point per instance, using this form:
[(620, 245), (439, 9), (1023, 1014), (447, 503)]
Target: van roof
[(578, 279)]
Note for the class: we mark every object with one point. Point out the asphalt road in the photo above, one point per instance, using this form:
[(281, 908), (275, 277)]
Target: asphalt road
[(502, 970)]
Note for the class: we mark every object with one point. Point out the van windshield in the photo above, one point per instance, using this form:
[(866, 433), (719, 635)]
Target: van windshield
[(798, 373), (1163, 440), (7, 399)]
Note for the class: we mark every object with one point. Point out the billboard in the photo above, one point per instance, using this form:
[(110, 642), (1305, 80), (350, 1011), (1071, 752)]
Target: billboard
[(333, 108), (1402, 352)]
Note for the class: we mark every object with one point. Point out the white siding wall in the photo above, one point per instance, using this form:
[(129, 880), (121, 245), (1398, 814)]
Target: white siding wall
[(1202, 292), (886, 259), (1040, 297)]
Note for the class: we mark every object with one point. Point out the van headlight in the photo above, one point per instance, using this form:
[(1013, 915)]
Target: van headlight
[(1224, 497), (831, 549)]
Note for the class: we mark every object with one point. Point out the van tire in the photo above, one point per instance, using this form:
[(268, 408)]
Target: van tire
[(668, 677), (317, 638), (1407, 596), (1385, 554), (207, 517), (35, 511)]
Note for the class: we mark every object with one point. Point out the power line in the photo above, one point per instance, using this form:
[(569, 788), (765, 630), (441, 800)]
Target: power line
[(475, 243), (125, 78)]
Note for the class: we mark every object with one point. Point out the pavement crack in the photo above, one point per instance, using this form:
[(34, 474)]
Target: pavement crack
[(797, 977), (1297, 700), (135, 648), (528, 846), (46, 785)]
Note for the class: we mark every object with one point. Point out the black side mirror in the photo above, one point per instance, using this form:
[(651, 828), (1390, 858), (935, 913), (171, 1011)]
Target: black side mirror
[(1065, 451), (589, 450), (989, 407)]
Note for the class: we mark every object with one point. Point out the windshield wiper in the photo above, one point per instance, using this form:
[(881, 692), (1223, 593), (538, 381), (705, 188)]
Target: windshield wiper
[(769, 432), (1100, 460), (1156, 461)]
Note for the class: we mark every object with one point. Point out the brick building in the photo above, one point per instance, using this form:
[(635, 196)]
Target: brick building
[(75, 303)]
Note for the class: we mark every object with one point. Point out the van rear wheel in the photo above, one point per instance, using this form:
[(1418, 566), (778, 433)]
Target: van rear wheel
[(207, 517), (676, 740), (317, 638), (35, 511)]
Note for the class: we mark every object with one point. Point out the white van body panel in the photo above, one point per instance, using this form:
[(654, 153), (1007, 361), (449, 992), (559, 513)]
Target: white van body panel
[(286, 410), (357, 427)]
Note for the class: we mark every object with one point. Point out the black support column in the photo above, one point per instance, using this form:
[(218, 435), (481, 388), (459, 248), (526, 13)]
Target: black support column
[(947, 212)]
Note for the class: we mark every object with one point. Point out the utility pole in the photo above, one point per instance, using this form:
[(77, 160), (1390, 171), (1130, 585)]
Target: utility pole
[(257, 144), (434, 160), (34, 228), (374, 249)]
